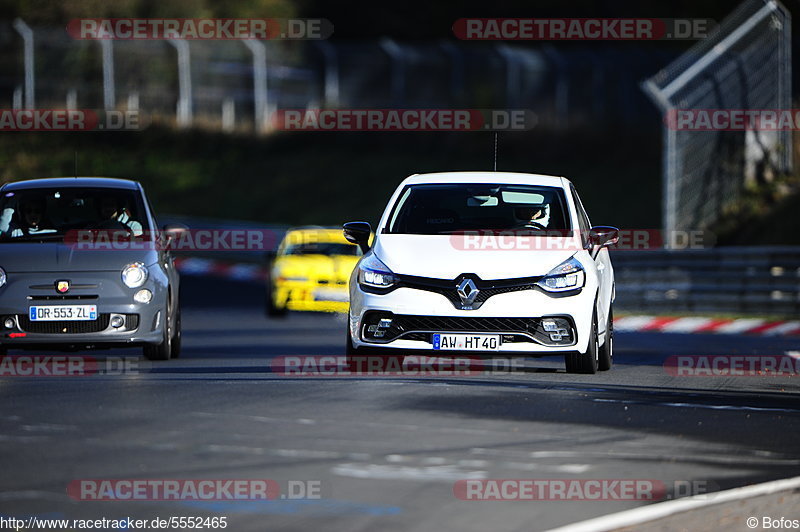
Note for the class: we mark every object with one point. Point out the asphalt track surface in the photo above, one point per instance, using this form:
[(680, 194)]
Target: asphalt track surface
[(386, 452)]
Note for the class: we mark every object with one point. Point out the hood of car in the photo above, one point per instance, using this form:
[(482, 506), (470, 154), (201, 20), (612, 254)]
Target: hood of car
[(58, 257), (448, 256), (312, 266)]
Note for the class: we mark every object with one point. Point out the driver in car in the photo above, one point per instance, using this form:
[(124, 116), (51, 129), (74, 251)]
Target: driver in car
[(534, 216), (116, 216)]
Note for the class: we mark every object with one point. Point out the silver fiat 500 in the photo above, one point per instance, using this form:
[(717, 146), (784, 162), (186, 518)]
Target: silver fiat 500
[(82, 265)]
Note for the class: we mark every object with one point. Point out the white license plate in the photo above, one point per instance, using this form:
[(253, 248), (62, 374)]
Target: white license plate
[(330, 294), (466, 342), (63, 313)]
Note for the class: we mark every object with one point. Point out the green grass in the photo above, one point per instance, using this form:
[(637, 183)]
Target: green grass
[(328, 178)]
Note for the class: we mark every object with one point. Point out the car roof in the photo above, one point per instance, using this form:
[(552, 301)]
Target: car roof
[(64, 182), (322, 234), (511, 178)]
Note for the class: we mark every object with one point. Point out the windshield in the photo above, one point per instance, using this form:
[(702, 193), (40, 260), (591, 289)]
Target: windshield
[(322, 248), (451, 208), (40, 214)]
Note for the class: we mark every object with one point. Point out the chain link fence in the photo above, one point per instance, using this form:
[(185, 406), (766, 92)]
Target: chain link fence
[(235, 85), (744, 65)]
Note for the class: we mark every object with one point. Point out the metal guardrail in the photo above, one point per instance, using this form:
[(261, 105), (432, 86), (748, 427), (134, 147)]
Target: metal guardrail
[(737, 280), (754, 280)]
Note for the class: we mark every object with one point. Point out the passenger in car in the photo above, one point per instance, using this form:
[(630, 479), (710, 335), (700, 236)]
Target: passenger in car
[(34, 221)]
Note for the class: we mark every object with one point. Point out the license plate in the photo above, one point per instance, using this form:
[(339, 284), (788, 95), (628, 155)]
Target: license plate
[(63, 313), (466, 342), (329, 294)]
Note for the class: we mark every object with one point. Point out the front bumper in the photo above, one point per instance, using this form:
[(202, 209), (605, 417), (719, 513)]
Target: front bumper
[(311, 296), (142, 323), (515, 316)]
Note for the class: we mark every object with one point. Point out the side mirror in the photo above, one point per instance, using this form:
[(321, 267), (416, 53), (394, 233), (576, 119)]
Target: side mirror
[(358, 233), (172, 231), (602, 236)]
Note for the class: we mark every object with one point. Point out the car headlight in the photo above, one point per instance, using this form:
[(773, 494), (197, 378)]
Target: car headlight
[(373, 273), (568, 275), (134, 275), (2, 277)]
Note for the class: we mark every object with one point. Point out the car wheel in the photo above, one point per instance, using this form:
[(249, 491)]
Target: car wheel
[(361, 359), (273, 311), (175, 351), (606, 358), (163, 350), (586, 362)]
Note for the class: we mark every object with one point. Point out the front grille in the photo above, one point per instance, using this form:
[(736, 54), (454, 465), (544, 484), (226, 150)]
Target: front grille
[(462, 324), (131, 322), (64, 327), (76, 327), (420, 328), (486, 289)]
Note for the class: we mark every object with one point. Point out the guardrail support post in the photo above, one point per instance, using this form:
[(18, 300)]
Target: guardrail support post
[(27, 37), (109, 88), (260, 96), (184, 111)]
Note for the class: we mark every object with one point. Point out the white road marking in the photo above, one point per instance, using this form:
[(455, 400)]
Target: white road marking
[(652, 512), (449, 473)]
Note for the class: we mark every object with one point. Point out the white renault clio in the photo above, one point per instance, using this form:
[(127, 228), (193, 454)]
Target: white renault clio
[(490, 263)]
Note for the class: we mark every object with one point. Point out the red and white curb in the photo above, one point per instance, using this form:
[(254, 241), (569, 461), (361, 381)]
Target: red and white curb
[(647, 514), (239, 272), (690, 324)]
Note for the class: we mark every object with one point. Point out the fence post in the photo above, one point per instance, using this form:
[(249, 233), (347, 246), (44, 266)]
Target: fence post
[(109, 88), (397, 57), (331, 82), (27, 37), (260, 96), (561, 96), (456, 69), (512, 74), (72, 99), (184, 111)]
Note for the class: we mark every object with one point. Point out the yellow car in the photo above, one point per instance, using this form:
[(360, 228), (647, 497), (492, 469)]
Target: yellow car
[(311, 272)]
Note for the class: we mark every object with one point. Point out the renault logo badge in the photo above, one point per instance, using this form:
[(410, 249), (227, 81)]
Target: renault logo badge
[(467, 292), (62, 287)]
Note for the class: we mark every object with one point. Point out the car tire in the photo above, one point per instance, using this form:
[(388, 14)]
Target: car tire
[(163, 350), (586, 362), (175, 351), (273, 311), (359, 358), (606, 358)]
